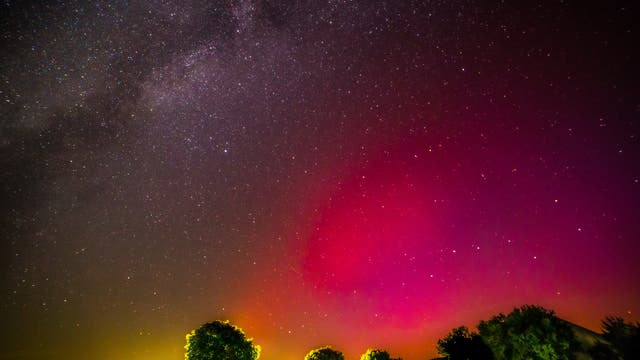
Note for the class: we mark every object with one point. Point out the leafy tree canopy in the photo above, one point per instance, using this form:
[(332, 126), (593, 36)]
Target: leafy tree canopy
[(529, 332), (324, 353), (219, 340), (461, 344), (375, 354)]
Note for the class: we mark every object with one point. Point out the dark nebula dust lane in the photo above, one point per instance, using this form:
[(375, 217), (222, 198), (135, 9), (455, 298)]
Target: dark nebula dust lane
[(355, 173)]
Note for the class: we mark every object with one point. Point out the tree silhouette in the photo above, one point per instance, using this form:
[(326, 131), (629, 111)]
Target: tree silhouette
[(219, 340), (624, 337), (375, 354), (324, 353), (461, 344), (530, 332)]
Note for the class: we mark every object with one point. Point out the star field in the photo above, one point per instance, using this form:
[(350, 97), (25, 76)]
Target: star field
[(355, 173)]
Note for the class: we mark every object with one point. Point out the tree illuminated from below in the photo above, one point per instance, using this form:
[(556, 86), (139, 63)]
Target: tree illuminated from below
[(375, 354), (219, 340), (324, 353)]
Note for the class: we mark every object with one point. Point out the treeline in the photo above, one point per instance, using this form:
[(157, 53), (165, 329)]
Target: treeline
[(529, 332)]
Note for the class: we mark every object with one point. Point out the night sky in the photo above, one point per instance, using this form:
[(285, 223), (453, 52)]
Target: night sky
[(355, 173)]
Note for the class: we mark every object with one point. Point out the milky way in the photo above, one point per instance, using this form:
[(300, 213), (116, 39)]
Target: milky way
[(355, 173)]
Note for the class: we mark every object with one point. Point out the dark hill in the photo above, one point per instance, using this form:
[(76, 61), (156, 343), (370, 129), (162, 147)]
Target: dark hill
[(587, 340)]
